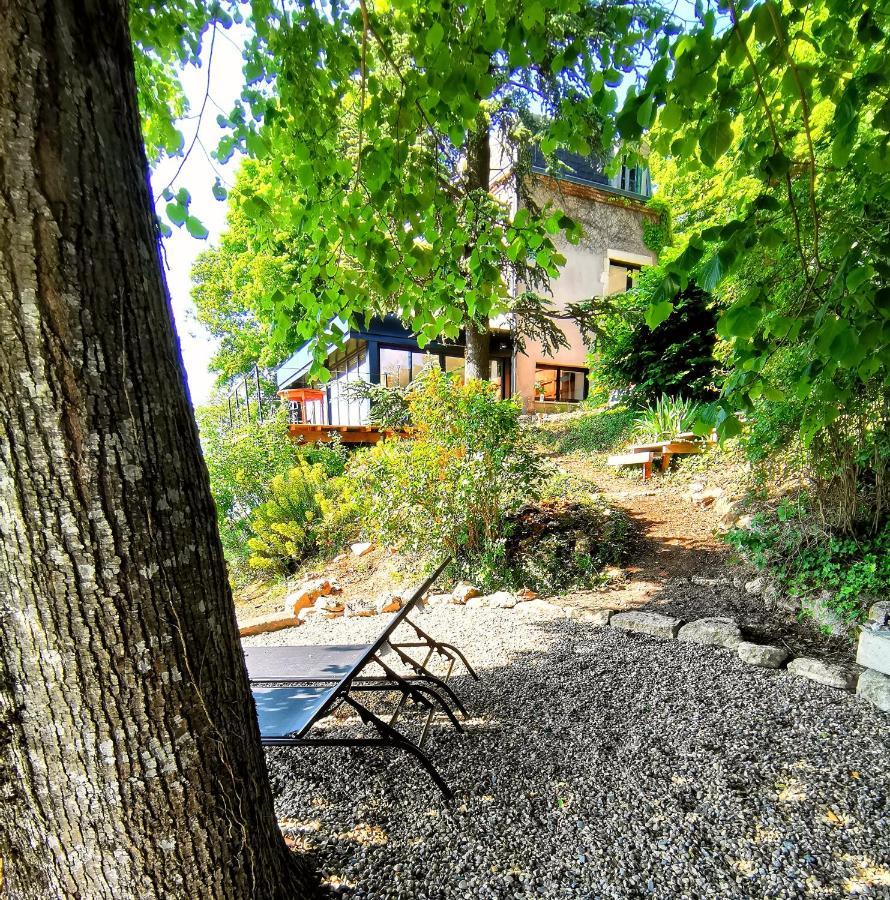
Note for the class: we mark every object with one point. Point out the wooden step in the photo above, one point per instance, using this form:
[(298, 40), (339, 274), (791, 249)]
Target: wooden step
[(631, 459)]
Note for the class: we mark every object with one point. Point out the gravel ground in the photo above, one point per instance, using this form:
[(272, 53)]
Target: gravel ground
[(598, 764)]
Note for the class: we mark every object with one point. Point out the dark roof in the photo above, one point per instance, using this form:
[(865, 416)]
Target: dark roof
[(583, 169)]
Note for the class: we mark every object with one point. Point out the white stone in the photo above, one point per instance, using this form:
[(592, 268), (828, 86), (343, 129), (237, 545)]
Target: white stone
[(822, 673), (500, 600), (875, 688), (878, 611), (438, 599), (476, 602), (359, 609), (596, 617), (388, 602), (713, 631), (361, 548), (329, 604), (653, 624), (755, 586), (874, 649), (306, 594), (764, 655), (463, 592)]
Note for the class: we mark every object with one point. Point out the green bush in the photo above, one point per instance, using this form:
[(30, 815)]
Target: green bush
[(595, 432), (564, 541), (665, 418), (805, 559), (676, 358), (308, 513), (450, 487)]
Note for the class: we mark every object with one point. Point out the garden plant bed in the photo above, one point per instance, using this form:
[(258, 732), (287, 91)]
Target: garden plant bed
[(601, 764)]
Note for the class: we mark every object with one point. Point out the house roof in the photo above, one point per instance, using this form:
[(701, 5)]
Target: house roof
[(577, 168)]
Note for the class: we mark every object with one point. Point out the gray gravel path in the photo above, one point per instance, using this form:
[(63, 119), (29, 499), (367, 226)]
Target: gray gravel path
[(601, 765)]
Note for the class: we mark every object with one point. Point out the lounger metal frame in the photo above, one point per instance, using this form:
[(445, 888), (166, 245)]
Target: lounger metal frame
[(418, 688)]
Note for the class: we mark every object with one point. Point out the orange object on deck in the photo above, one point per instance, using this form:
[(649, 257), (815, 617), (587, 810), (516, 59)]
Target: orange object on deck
[(302, 395)]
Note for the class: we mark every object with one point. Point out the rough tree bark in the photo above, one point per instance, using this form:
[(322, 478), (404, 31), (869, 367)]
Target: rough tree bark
[(476, 353), (131, 763)]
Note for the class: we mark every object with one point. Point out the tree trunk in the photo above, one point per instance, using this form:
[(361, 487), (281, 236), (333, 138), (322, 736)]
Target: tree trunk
[(131, 762), (476, 355)]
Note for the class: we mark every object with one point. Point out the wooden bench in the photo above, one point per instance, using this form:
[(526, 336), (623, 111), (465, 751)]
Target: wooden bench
[(643, 454), (643, 458)]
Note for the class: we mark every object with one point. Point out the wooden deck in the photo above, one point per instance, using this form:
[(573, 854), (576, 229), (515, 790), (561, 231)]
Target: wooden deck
[(349, 434)]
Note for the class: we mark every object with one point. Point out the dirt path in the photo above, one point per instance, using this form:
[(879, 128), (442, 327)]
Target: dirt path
[(680, 567)]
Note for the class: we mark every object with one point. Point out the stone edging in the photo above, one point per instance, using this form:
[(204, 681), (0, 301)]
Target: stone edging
[(872, 685)]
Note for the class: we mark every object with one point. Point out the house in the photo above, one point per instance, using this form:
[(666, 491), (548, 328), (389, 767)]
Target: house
[(612, 212)]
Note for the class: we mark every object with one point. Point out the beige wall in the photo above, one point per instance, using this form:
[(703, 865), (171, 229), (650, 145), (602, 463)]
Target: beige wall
[(610, 231)]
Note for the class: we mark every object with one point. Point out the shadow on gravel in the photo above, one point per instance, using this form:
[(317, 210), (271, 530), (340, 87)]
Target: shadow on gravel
[(607, 765)]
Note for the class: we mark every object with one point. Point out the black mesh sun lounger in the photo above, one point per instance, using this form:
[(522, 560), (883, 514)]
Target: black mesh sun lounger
[(319, 678)]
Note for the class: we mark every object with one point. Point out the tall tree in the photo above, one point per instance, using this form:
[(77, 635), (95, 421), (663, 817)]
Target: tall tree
[(131, 762), (381, 126)]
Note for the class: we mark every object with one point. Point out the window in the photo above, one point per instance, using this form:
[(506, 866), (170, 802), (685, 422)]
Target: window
[(560, 384), (622, 276)]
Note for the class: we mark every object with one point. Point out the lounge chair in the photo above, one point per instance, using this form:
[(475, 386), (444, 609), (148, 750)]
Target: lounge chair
[(320, 678)]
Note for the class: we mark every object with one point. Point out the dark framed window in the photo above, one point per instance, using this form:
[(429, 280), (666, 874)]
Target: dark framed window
[(560, 384)]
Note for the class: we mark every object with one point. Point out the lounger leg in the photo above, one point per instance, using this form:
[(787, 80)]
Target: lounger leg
[(397, 739), (415, 692), (439, 647), (428, 676)]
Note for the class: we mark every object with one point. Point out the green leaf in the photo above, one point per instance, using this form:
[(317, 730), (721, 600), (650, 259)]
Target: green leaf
[(715, 140), (434, 36), (176, 213), (658, 312), (196, 228)]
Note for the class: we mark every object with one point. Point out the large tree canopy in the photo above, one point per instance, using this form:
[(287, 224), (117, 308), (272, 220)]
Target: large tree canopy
[(376, 126), (773, 120)]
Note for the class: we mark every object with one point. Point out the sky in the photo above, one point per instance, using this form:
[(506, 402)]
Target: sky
[(197, 175)]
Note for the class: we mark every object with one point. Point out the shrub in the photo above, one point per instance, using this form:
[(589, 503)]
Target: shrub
[(308, 513), (563, 541), (806, 560), (449, 488), (676, 358), (665, 418), (595, 432)]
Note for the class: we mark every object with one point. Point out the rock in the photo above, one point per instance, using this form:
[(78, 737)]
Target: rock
[(875, 688), (359, 609), (727, 511), (329, 604), (476, 602), (653, 624), (306, 595), (713, 631), (755, 586), (822, 673), (439, 599), (525, 594), (596, 617), (500, 600), (463, 592), (362, 548), (696, 487), (704, 582), (824, 615), (874, 649), (388, 602), (706, 497), (270, 622), (764, 655), (878, 611), (744, 521)]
